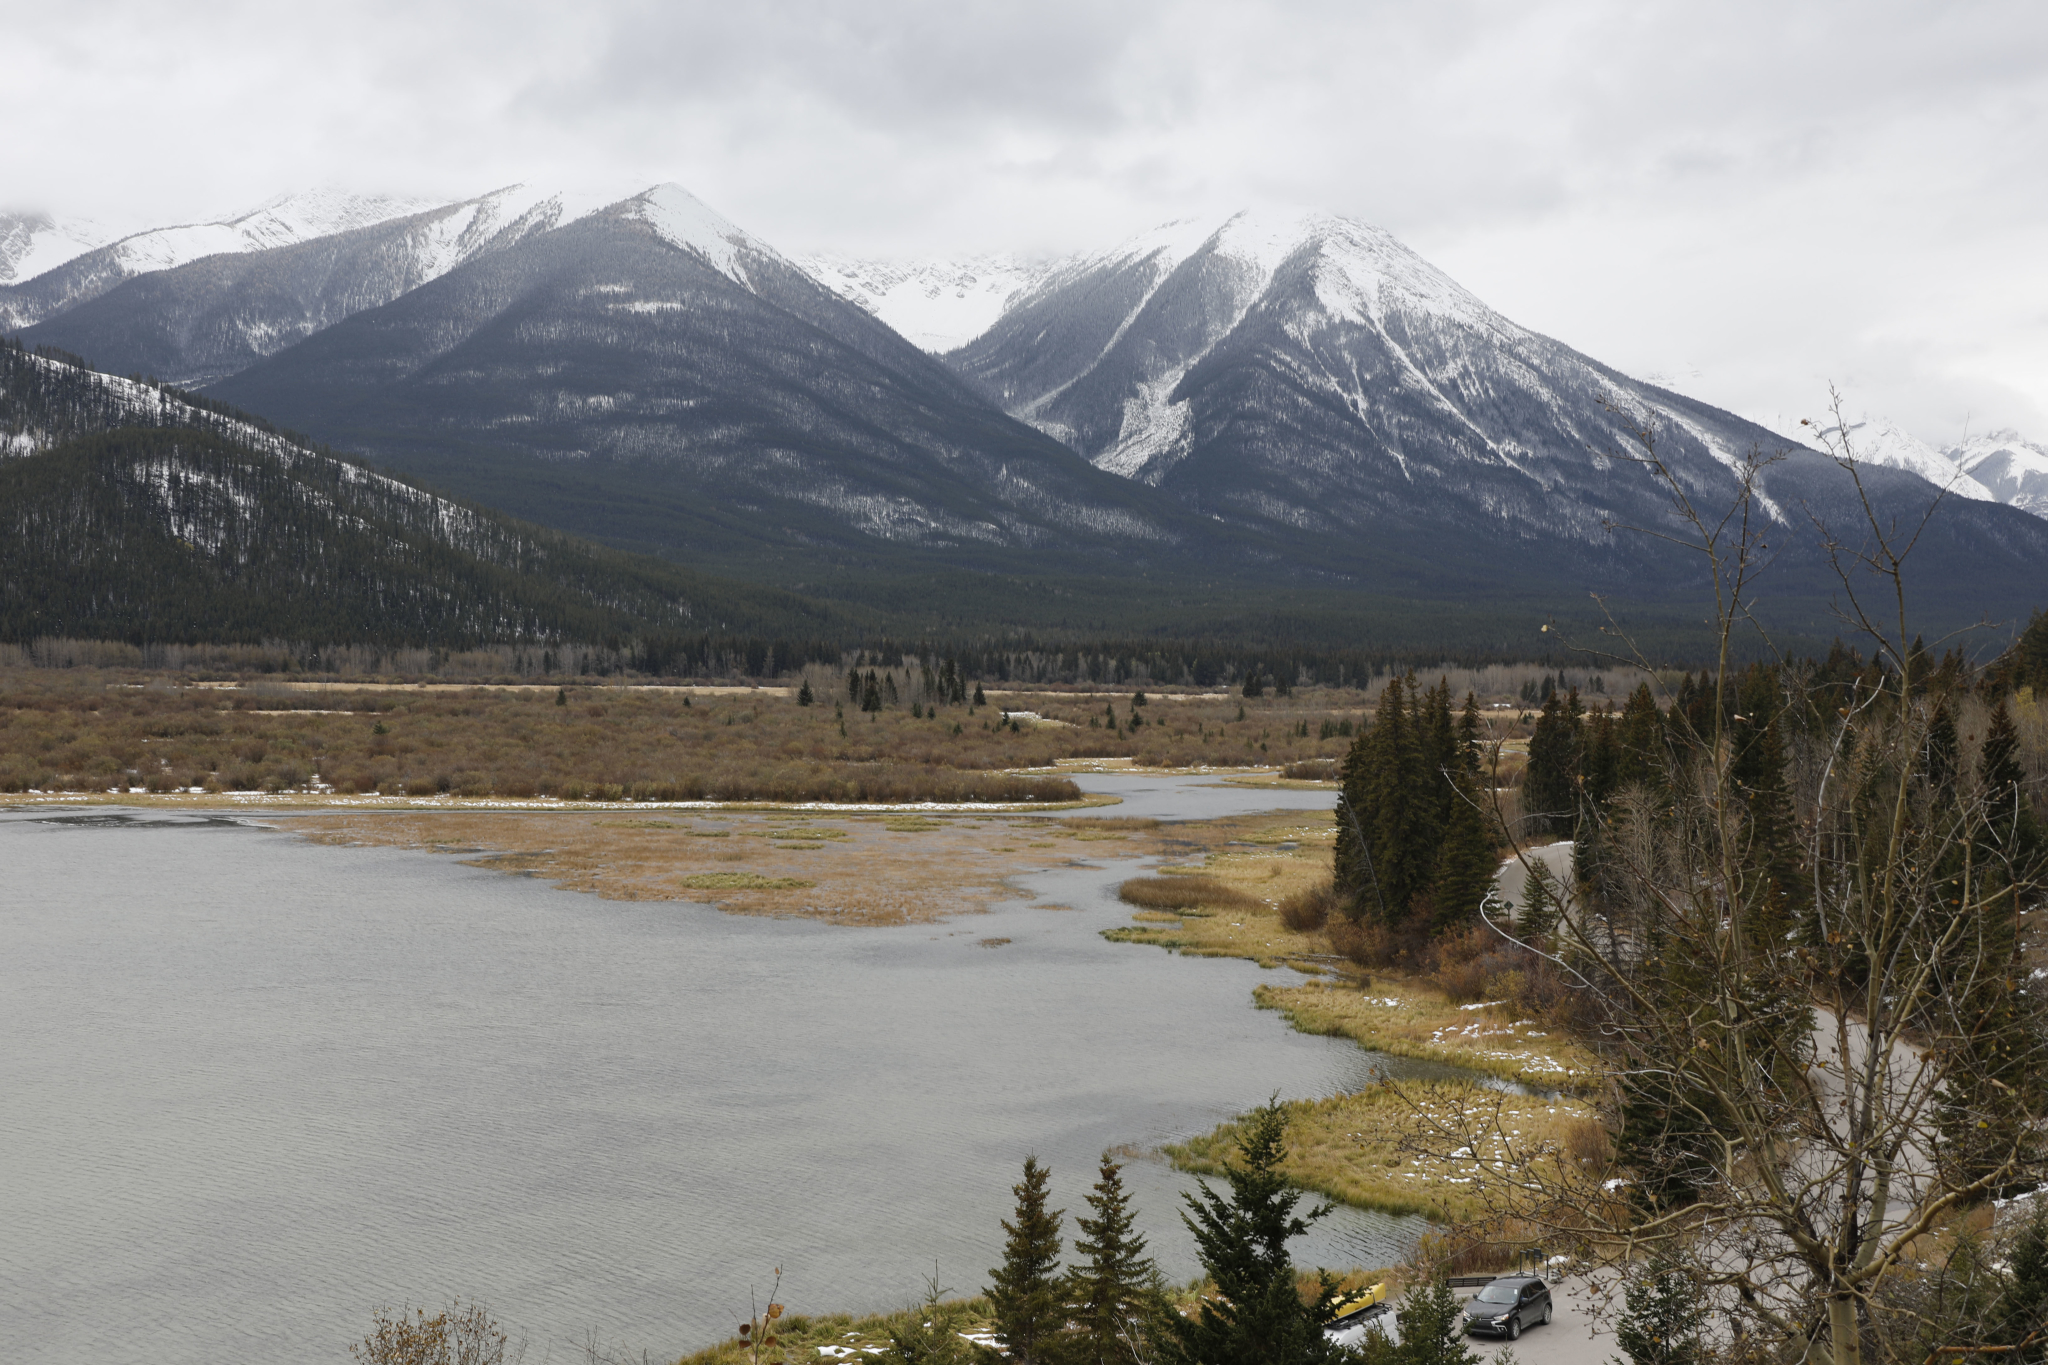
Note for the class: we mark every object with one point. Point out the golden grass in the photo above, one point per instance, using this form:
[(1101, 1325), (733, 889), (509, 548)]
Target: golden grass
[(1357, 1149), (854, 869), (1183, 893), (1411, 1019)]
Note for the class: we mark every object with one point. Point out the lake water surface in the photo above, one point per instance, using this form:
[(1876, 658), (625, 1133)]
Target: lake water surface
[(253, 1088)]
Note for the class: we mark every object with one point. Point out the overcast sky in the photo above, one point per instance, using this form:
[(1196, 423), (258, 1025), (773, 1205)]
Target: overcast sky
[(1746, 200)]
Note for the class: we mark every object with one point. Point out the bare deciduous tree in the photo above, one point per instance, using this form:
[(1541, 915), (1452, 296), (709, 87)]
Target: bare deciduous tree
[(1805, 950)]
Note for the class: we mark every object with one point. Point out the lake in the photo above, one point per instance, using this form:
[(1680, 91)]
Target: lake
[(256, 1088)]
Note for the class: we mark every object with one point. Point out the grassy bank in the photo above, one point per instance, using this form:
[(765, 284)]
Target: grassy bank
[(1408, 1018), (1356, 1149)]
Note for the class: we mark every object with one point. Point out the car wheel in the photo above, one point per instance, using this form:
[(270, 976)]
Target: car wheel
[(1515, 1327), (1546, 1312)]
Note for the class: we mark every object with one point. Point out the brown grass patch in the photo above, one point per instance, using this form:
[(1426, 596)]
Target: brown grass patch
[(1183, 893), (854, 870)]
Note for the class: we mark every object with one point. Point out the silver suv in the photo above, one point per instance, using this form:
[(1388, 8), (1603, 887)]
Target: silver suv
[(1509, 1304)]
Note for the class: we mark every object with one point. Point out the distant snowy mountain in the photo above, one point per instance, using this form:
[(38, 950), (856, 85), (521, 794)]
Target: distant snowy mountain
[(651, 373), (1998, 467), (31, 243), (1305, 374), (210, 318), (940, 304), (74, 279), (1880, 440), (2015, 471)]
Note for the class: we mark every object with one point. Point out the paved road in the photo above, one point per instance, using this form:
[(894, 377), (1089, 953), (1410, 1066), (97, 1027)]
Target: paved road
[(1568, 1339)]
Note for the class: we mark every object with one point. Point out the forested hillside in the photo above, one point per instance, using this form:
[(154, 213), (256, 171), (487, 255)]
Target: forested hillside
[(135, 512)]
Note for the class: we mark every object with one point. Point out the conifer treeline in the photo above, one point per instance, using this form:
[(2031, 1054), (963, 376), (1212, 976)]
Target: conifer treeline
[(1411, 790)]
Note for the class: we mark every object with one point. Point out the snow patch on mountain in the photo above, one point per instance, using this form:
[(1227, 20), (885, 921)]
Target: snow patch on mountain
[(1878, 440), (938, 304), (31, 243), (283, 221), (2013, 470), (684, 221)]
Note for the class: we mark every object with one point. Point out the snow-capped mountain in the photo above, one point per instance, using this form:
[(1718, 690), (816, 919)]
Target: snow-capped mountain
[(1997, 467), (209, 318), (940, 303), (652, 373), (281, 222), (31, 243), (1307, 374), (2014, 471), (1880, 440)]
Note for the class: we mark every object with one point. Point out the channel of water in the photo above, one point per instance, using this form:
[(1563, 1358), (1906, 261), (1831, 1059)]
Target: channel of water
[(255, 1088)]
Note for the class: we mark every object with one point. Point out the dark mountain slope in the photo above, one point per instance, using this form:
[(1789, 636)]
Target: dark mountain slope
[(126, 512), (652, 375)]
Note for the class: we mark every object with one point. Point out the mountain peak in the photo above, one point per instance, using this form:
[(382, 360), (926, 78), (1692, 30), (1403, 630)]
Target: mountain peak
[(687, 223)]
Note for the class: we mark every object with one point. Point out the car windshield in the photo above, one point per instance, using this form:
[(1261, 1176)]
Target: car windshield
[(1499, 1293)]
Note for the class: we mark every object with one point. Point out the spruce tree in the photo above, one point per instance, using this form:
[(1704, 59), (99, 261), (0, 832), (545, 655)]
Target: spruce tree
[(871, 693), (1432, 1323), (1025, 1288), (1465, 861), (1538, 918), (1470, 729), (1114, 1293), (1663, 1316), (1640, 757), (1256, 1316), (803, 694), (1550, 798)]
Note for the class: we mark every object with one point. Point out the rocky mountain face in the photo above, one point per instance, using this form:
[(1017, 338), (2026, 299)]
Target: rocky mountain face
[(130, 511), (2012, 470), (62, 281), (1308, 375), (203, 320), (31, 243), (652, 374)]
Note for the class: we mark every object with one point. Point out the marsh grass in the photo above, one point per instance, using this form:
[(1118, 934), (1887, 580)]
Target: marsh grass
[(1357, 1149), (1184, 893), (852, 1336), (1416, 1019), (742, 881), (87, 730)]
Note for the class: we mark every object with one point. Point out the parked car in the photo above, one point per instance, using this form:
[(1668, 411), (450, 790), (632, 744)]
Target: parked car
[(1368, 1313), (1509, 1304)]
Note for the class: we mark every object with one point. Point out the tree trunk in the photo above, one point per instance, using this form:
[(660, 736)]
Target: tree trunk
[(1842, 1333)]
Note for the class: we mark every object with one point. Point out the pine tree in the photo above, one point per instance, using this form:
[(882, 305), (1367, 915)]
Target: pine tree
[(1640, 758), (1550, 797), (1433, 1328), (1538, 918), (1663, 1317), (1254, 684), (1470, 729), (1465, 861), (1114, 1293), (1025, 1288), (1256, 1316)]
